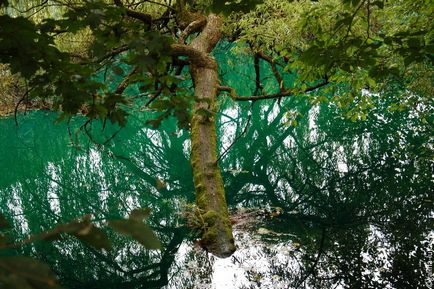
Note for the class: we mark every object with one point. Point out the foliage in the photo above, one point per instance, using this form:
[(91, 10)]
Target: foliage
[(24, 272), (30, 49), (333, 61), (355, 46), (77, 184)]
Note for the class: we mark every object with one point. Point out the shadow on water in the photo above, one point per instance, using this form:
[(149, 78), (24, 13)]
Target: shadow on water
[(320, 203)]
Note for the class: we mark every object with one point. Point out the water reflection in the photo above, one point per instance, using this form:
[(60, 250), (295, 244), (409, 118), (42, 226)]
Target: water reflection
[(326, 203)]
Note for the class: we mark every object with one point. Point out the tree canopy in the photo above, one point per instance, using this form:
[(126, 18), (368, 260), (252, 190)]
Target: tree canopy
[(349, 46)]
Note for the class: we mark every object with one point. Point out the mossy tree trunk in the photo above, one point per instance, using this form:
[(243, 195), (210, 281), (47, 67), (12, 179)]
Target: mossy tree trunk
[(217, 235)]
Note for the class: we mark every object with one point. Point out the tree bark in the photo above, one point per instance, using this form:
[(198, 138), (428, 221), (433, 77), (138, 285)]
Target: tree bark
[(217, 237)]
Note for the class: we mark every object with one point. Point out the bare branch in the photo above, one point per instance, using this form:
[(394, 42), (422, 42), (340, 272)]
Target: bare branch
[(145, 18), (125, 82), (114, 52), (156, 94), (258, 75), (276, 73), (318, 256), (110, 54), (191, 28), (156, 3), (31, 8), (352, 19), (286, 93), (23, 98)]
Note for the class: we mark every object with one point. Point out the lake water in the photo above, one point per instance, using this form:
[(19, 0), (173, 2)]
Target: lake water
[(328, 203)]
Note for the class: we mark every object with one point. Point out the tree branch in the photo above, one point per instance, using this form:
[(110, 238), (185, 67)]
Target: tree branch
[(286, 93), (156, 94), (23, 98), (145, 18), (318, 256), (352, 19), (191, 28), (258, 75), (110, 54), (125, 82), (199, 58), (276, 73), (156, 3)]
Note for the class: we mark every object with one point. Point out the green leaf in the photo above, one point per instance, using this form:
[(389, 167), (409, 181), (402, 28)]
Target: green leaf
[(26, 273), (138, 231)]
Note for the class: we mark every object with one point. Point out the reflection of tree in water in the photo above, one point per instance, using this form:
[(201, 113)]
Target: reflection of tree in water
[(356, 195), (337, 202), (108, 183)]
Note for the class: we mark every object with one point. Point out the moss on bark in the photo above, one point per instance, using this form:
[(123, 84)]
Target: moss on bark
[(217, 235)]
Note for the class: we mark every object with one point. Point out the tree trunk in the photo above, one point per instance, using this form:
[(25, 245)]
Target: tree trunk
[(217, 235)]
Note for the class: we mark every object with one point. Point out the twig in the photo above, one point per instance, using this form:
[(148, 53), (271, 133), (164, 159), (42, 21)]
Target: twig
[(258, 75), (145, 18), (276, 73), (125, 82), (16, 109), (352, 19), (158, 3), (70, 133), (31, 8), (157, 93), (23, 98), (112, 136), (110, 54), (368, 19)]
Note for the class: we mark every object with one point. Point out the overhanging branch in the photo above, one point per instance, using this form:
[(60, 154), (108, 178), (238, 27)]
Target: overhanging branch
[(145, 18), (286, 93)]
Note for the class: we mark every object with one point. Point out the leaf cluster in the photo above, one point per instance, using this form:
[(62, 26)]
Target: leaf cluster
[(358, 45), (39, 52), (27, 273)]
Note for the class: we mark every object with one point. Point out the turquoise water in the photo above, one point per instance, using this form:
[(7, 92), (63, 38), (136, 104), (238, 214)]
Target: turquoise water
[(328, 202)]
